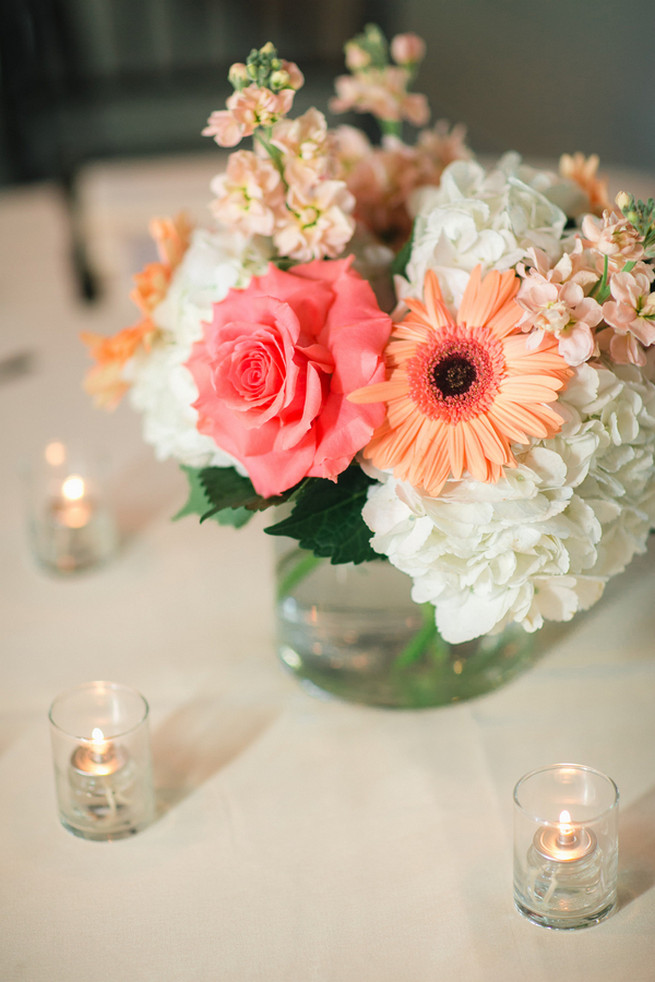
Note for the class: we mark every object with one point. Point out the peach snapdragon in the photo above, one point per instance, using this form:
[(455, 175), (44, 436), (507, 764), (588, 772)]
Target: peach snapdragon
[(583, 171), (104, 381)]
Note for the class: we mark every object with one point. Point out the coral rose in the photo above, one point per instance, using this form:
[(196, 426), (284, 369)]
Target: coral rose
[(275, 367)]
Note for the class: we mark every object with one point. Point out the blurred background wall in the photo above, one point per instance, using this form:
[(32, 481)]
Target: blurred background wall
[(84, 80), (543, 77)]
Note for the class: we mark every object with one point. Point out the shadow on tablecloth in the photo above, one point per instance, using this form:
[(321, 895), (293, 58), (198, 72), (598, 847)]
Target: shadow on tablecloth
[(199, 740), (637, 848)]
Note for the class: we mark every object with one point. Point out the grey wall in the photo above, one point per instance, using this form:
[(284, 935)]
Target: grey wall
[(82, 79), (542, 77)]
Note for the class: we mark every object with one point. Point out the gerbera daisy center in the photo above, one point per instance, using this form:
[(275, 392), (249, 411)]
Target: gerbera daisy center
[(454, 375)]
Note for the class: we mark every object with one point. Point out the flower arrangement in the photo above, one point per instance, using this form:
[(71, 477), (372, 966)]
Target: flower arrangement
[(486, 422)]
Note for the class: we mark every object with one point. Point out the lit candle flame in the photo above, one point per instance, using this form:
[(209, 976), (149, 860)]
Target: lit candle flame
[(74, 508), (73, 488), (566, 832), (99, 746)]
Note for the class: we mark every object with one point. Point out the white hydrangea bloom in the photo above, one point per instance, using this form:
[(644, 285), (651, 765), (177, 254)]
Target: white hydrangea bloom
[(163, 388), (542, 542), (477, 216)]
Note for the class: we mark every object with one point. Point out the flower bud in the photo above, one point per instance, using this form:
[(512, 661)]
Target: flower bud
[(238, 76), (622, 200), (407, 49), (280, 80), (356, 57)]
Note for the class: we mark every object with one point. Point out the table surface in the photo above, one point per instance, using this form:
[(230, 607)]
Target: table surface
[(297, 838)]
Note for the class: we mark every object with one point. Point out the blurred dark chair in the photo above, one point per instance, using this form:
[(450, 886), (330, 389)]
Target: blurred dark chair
[(83, 80)]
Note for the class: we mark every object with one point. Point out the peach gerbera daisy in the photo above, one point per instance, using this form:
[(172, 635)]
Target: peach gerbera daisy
[(460, 390)]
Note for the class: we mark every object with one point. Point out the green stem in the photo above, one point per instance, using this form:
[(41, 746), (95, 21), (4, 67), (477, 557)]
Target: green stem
[(273, 152), (391, 127), (305, 565), (601, 292), (424, 637)]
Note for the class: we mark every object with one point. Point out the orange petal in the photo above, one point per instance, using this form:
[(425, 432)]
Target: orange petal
[(437, 311), (484, 298), (475, 459), (433, 474), (378, 392), (496, 449), (501, 415), (521, 390), (456, 450), (505, 320)]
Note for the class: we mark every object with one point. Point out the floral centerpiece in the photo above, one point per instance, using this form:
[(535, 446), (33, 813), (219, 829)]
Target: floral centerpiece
[(484, 421)]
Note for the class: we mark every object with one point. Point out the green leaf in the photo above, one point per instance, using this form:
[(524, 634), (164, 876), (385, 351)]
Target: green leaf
[(222, 494), (400, 260), (225, 488), (197, 502), (236, 517), (327, 518)]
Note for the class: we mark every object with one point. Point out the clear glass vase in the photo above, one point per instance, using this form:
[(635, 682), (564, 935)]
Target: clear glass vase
[(354, 632)]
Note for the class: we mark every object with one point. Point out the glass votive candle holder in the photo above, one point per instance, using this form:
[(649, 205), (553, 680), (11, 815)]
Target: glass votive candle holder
[(102, 760), (565, 846), (71, 529)]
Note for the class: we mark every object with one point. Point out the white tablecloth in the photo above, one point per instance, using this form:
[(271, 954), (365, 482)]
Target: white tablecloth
[(297, 839)]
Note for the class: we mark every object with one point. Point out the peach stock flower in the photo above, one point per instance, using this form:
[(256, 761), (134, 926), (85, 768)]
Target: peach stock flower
[(615, 237), (631, 312), (459, 390), (307, 148), (383, 178), (249, 194), (247, 110), (382, 92), (276, 364), (555, 302), (316, 222)]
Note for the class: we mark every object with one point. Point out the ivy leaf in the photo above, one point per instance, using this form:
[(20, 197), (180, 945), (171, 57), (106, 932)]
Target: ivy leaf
[(327, 518)]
